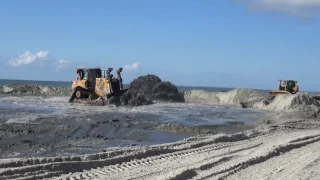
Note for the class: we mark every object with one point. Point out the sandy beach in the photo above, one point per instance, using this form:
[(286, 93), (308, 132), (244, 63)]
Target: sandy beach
[(265, 138), (160, 90)]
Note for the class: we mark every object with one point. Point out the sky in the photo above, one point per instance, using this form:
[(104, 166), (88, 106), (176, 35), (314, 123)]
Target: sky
[(219, 43)]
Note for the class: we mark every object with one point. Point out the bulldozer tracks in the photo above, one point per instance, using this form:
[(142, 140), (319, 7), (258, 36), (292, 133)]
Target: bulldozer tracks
[(174, 156), (262, 157), (210, 162)]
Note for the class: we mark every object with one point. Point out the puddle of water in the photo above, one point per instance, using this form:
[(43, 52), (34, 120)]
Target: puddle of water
[(193, 115)]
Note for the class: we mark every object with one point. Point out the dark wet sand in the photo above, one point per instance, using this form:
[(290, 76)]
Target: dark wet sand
[(31, 126), (52, 136)]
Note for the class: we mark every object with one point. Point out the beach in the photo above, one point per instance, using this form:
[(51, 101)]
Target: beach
[(239, 134)]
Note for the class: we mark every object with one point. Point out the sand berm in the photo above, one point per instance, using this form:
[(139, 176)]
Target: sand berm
[(285, 147), (301, 105)]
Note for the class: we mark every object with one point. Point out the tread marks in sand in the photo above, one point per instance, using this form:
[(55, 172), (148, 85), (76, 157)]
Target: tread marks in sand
[(206, 162), (210, 160), (186, 152), (287, 166), (76, 164)]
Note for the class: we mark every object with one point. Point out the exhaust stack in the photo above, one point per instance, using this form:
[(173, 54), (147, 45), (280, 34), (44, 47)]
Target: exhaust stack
[(120, 78)]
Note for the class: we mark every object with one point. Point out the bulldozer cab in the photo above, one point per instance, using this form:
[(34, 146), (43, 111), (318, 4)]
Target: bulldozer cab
[(92, 75), (89, 75), (288, 85), (291, 84)]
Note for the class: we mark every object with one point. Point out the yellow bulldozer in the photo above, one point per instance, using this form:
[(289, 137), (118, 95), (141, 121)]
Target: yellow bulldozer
[(96, 86), (286, 87)]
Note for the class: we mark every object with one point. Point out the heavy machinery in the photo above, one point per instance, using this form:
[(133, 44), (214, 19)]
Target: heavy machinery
[(286, 87), (96, 86)]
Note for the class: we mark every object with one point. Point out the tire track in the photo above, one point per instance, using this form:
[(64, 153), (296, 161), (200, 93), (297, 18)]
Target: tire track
[(211, 161), (120, 163), (241, 163), (274, 167), (285, 166), (116, 169), (310, 172)]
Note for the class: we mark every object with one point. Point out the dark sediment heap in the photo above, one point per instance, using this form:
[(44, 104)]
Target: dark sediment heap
[(148, 89), (24, 89)]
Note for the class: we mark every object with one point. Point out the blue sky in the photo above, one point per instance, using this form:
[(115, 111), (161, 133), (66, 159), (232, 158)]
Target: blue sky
[(230, 43)]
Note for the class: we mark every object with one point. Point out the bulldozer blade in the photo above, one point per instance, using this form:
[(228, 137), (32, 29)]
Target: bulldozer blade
[(276, 92), (114, 97), (316, 97), (114, 100), (73, 96), (117, 93)]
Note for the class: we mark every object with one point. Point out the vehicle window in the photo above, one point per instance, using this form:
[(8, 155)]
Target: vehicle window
[(291, 83), (98, 75), (85, 75)]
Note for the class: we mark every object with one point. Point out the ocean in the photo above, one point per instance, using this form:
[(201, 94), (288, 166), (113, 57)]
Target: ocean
[(68, 84)]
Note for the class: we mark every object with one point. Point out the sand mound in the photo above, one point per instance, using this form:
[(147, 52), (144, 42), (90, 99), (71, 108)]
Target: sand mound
[(24, 89), (288, 102), (235, 97), (302, 104), (149, 88)]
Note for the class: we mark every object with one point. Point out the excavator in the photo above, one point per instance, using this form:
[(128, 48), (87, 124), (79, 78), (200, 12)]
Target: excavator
[(286, 87), (97, 87)]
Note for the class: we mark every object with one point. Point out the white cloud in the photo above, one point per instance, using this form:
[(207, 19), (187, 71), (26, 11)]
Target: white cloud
[(131, 67), (42, 54), (28, 58), (62, 64), (301, 8)]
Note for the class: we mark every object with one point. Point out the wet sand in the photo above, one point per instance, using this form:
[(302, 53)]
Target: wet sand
[(34, 126)]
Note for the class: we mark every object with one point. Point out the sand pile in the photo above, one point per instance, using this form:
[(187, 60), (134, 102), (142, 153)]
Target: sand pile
[(235, 97), (298, 105), (284, 102), (302, 104), (148, 89), (24, 89)]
